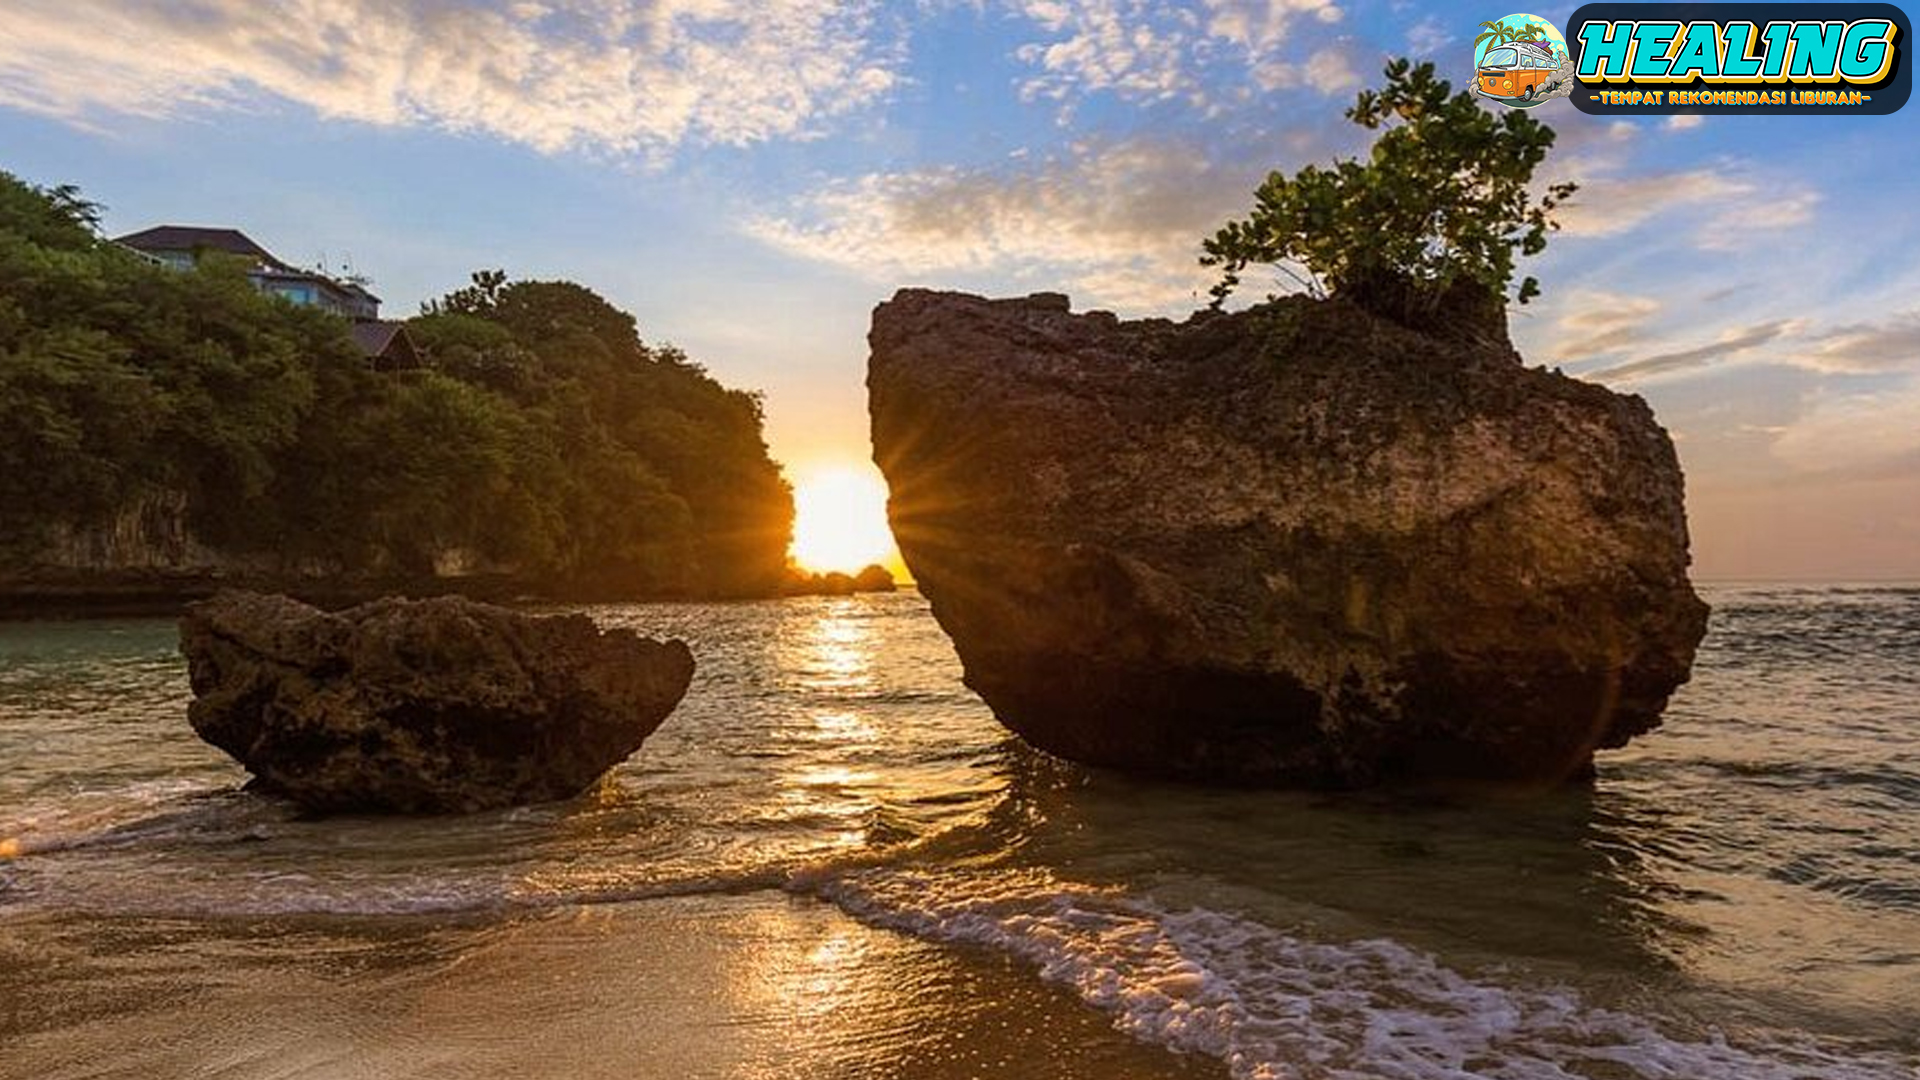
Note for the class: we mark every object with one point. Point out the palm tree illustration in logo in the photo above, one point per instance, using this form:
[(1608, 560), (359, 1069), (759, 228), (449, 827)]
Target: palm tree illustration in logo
[(1500, 34)]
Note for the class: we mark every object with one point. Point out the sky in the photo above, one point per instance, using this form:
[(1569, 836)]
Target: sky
[(751, 178)]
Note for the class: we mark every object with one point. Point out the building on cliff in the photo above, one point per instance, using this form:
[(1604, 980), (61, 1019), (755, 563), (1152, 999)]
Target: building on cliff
[(387, 345), (384, 342)]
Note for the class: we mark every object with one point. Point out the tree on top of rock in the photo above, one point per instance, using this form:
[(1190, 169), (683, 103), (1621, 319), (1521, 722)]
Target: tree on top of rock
[(1427, 227)]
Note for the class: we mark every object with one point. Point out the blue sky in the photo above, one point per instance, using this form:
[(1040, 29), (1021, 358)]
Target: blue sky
[(751, 178)]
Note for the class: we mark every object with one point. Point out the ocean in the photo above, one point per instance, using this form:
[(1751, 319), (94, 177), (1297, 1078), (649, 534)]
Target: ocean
[(831, 861)]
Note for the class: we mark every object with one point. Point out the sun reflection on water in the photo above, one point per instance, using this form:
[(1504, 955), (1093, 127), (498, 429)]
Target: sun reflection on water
[(836, 651), (835, 658)]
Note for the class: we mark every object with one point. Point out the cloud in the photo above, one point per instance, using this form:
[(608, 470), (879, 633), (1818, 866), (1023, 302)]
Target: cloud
[(1733, 227), (1611, 205), (1866, 348), (1729, 203), (1685, 121), (1425, 37), (1603, 322), (552, 74), (1147, 50), (1858, 436), (1731, 343), (1331, 70), (1121, 221)]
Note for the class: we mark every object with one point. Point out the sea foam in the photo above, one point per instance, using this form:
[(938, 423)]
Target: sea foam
[(1276, 1006)]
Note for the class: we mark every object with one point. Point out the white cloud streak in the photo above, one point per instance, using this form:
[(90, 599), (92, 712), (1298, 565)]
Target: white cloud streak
[(1727, 205), (1892, 344), (1732, 342)]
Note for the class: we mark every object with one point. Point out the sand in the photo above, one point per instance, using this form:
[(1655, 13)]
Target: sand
[(761, 985)]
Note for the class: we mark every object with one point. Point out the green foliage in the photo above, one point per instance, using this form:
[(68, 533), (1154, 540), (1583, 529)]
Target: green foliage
[(545, 439), (119, 380), (476, 350), (1499, 33), (1441, 204), (56, 218), (662, 473)]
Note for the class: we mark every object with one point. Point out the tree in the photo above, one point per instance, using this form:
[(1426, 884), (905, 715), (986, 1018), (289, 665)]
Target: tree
[(57, 218), (478, 298), (546, 440), (660, 473), (1432, 219)]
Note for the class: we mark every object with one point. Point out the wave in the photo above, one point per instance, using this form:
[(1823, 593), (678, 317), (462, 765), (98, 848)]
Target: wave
[(296, 893), (144, 811), (1273, 1005), (202, 850)]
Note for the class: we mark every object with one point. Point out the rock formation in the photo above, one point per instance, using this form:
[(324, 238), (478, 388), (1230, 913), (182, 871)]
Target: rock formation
[(871, 579), (1297, 544), (426, 706)]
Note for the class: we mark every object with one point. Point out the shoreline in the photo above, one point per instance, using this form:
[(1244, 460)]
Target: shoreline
[(164, 598), (763, 984)]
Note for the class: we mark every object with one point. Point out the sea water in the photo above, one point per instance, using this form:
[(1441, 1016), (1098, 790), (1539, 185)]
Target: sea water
[(832, 861)]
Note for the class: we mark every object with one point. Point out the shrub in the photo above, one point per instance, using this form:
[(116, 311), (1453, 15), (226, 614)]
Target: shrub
[(1435, 214)]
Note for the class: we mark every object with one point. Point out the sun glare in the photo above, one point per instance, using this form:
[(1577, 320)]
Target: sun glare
[(840, 520)]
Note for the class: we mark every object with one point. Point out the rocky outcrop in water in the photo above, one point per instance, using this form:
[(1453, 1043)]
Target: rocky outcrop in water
[(871, 579), (422, 706), (1298, 544)]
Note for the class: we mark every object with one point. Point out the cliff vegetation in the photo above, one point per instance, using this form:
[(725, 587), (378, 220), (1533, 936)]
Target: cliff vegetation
[(155, 420)]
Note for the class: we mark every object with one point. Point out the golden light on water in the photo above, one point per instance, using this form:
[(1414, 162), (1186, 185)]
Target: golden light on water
[(840, 520)]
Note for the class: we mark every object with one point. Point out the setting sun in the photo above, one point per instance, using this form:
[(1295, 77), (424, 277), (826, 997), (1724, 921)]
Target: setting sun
[(840, 520)]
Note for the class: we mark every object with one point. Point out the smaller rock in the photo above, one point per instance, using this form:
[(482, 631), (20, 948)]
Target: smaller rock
[(429, 706), (875, 578)]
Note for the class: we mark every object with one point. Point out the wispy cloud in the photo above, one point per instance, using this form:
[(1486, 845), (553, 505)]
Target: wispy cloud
[(1425, 37), (1732, 228), (1603, 322), (1144, 50), (553, 74), (1892, 344), (1120, 221), (1725, 206), (1859, 436), (1733, 342)]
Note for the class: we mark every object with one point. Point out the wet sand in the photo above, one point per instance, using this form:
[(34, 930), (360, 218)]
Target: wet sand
[(761, 985)]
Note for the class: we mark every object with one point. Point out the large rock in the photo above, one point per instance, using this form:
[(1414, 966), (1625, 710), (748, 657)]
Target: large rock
[(1297, 544), (422, 706)]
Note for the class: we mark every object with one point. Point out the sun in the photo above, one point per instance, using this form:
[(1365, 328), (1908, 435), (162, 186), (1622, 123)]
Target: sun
[(840, 520)]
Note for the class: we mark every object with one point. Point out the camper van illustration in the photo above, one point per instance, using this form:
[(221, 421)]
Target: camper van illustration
[(1519, 70)]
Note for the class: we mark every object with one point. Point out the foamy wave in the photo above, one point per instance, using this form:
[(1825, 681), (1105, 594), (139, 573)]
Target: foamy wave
[(153, 809), (1278, 1007)]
